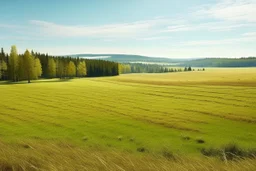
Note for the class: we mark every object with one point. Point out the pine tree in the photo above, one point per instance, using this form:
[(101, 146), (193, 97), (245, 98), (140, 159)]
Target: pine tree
[(3, 68), (13, 64), (21, 69), (28, 65), (189, 69), (38, 68), (60, 68), (51, 69), (2, 55), (81, 69), (71, 69)]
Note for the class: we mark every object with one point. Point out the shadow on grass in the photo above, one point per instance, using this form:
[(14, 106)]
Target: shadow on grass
[(34, 81)]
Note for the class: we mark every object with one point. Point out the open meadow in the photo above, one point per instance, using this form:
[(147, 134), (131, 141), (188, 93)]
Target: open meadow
[(130, 122)]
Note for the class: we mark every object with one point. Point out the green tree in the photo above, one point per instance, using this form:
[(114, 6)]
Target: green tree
[(3, 68), (38, 68), (21, 70), (2, 55), (13, 64), (60, 68), (71, 69), (81, 69), (189, 69), (51, 68), (29, 66)]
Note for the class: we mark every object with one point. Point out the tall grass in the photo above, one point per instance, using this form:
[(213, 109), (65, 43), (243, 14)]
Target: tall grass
[(63, 156)]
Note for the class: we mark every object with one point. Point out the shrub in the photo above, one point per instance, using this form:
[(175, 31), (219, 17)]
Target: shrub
[(85, 138), (211, 152), (141, 149), (229, 152), (200, 141), (120, 138), (232, 151), (131, 139), (167, 154)]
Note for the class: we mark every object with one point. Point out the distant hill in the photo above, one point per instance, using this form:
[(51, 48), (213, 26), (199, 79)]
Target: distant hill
[(222, 62), (193, 62), (124, 58)]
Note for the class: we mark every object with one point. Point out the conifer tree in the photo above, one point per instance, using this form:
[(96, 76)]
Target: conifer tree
[(21, 69), (3, 68), (28, 60), (51, 70), (13, 64), (38, 68), (81, 69), (71, 69), (189, 68)]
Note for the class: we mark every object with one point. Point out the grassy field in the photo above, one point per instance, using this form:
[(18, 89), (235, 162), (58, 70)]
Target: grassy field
[(133, 117)]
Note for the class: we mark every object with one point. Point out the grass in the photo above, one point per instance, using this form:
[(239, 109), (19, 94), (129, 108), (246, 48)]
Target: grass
[(136, 116), (47, 156)]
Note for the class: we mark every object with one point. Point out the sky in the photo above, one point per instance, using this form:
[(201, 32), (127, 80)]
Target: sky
[(159, 28)]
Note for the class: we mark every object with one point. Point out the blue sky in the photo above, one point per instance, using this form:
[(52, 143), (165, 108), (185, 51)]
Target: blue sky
[(164, 28)]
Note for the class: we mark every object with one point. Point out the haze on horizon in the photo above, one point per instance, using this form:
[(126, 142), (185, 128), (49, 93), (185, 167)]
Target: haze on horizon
[(162, 28)]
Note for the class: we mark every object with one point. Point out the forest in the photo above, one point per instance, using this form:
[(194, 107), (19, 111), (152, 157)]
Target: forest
[(33, 65), (149, 68), (222, 62)]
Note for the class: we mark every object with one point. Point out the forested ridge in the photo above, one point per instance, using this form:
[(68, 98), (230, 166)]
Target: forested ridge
[(179, 62), (222, 62), (33, 65)]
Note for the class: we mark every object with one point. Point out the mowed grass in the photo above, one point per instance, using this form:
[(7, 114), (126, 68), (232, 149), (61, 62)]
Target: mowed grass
[(134, 113)]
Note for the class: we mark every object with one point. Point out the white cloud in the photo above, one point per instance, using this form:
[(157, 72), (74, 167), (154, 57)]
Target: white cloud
[(210, 26), (250, 34), (111, 30), (231, 10), (140, 30), (21, 38), (219, 42), (10, 26), (225, 15), (154, 38)]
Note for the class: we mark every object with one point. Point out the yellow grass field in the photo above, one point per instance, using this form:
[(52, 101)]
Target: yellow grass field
[(129, 122)]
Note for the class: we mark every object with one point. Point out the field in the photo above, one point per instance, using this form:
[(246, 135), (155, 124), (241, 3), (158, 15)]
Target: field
[(129, 122)]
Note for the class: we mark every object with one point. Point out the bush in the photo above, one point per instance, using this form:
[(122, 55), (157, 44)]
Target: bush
[(141, 149), (230, 152), (211, 152), (167, 154), (200, 141), (85, 138), (120, 138), (131, 139)]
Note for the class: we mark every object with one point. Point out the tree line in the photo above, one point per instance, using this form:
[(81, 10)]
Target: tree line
[(222, 62), (30, 66), (142, 68), (149, 68)]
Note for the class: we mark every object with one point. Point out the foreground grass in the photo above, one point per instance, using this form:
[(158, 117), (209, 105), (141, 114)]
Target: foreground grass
[(62, 156), (135, 117)]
